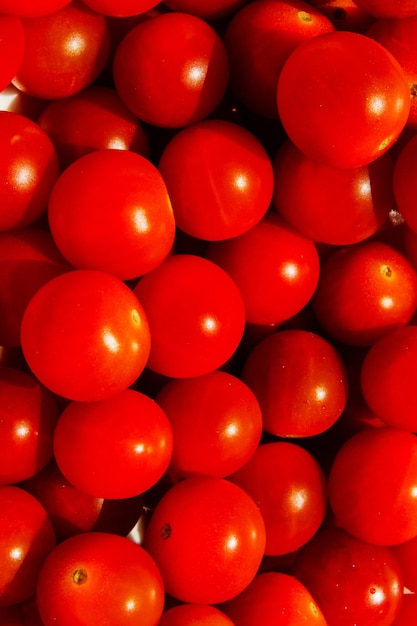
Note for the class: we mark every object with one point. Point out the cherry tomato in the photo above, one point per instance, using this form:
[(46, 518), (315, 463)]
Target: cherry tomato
[(28, 416), (223, 564), (171, 70), (196, 316), (121, 8), (216, 422), (331, 205), (28, 8), (219, 178), (299, 380), (345, 76), (99, 578), (364, 291), (26, 538), (193, 614), (110, 211), (85, 335), (109, 457), (289, 487), (65, 51), (28, 170), (275, 598), (275, 268), (259, 39), (372, 486), (93, 119), (354, 582), (388, 8)]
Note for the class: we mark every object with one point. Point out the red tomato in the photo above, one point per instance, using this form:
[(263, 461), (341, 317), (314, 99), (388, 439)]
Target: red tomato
[(406, 554), (171, 70), (109, 457), (372, 486), (28, 8), (331, 205), (207, 9), (275, 599), (195, 313), (289, 487), (12, 46), (259, 39), (110, 211), (216, 422), (343, 99), (99, 578), (388, 8), (223, 564), (219, 179), (94, 119), (28, 170), (275, 268), (389, 378), (121, 8), (404, 182), (364, 291), (353, 582), (85, 335), (345, 14), (408, 611), (194, 615), (28, 415), (65, 51), (299, 380), (28, 259), (26, 538)]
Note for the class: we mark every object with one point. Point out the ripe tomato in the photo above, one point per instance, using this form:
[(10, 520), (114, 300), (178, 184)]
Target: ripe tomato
[(331, 205), (372, 486), (26, 538), (406, 554), (193, 615), (28, 170), (216, 422), (85, 335), (299, 380), (345, 14), (354, 582), (28, 415), (171, 70), (275, 598), (274, 266), (343, 76), (207, 537), (364, 291), (110, 211), (28, 8), (207, 9), (219, 178), (121, 8), (90, 434), (65, 51), (99, 578), (196, 316), (388, 8), (12, 46), (289, 487), (404, 182)]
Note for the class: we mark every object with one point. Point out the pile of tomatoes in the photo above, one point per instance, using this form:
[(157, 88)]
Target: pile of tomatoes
[(208, 312)]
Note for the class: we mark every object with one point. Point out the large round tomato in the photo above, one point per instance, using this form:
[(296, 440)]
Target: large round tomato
[(343, 99), (85, 335)]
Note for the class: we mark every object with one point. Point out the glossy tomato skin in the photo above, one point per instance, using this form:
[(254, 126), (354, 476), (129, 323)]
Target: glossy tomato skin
[(330, 205), (207, 537), (352, 581), (327, 79), (364, 291), (273, 596), (219, 178), (28, 170), (12, 46), (371, 486), (299, 380), (290, 489), (172, 70), (196, 316), (99, 578), (193, 614), (216, 422), (259, 39), (27, 8), (129, 429), (26, 538), (405, 553), (28, 416), (65, 52), (104, 337), (404, 182), (274, 266), (94, 119), (110, 211)]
